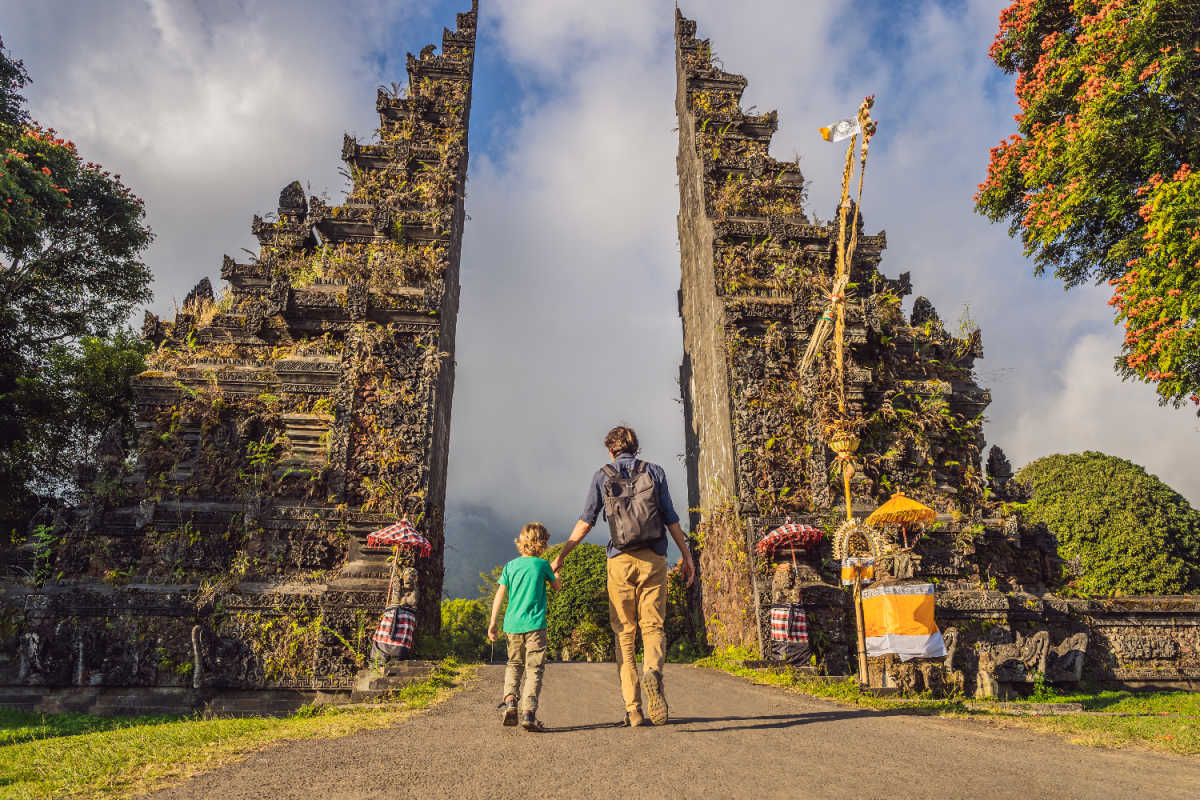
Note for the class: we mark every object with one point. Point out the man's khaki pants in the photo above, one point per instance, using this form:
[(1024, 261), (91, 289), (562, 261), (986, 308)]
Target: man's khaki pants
[(637, 598)]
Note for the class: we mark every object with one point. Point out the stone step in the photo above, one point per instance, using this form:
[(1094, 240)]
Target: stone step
[(379, 681)]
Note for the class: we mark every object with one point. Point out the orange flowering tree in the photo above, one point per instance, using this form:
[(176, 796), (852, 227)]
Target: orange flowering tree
[(1098, 181), (71, 237)]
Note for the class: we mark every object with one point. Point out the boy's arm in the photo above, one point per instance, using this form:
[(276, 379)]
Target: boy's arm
[(501, 593)]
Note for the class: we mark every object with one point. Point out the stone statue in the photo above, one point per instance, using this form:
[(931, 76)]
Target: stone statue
[(1002, 664)]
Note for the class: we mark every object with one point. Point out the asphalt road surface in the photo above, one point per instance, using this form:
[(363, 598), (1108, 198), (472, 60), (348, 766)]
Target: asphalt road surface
[(726, 738)]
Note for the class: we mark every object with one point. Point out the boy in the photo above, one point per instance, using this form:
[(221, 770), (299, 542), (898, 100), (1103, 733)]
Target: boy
[(523, 581)]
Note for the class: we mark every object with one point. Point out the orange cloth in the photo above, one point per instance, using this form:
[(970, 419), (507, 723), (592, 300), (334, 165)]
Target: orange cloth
[(899, 614)]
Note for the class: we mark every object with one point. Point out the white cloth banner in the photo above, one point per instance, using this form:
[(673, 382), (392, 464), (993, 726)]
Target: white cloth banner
[(907, 647)]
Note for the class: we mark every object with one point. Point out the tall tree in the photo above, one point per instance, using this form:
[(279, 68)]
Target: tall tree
[(71, 235), (1098, 181)]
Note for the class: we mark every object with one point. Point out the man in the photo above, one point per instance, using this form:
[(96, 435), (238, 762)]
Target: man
[(639, 511)]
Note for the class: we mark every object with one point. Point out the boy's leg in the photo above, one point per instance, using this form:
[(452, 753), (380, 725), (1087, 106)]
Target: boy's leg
[(622, 615), (515, 670), (535, 665)]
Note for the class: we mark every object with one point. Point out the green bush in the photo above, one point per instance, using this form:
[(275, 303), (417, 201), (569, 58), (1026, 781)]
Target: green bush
[(464, 629), (1129, 531), (577, 615)]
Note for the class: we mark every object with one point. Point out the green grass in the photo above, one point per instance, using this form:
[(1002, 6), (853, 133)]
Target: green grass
[(81, 756), (1158, 726)]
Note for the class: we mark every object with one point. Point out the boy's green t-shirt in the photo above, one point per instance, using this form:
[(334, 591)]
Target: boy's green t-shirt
[(526, 579)]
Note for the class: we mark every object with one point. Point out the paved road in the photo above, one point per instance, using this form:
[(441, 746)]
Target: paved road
[(727, 738)]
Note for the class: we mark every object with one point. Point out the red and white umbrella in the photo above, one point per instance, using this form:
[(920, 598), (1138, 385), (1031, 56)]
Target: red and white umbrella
[(402, 534), (791, 534)]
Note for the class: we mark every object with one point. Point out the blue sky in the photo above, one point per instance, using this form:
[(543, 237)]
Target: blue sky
[(208, 108)]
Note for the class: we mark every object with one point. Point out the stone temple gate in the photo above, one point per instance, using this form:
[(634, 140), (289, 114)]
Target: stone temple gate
[(310, 404), (278, 425), (756, 275)]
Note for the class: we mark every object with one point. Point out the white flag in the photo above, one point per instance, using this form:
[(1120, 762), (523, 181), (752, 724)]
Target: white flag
[(842, 129)]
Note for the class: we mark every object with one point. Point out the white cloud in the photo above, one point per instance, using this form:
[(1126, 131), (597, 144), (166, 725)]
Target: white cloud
[(1091, 409), (206, 109)]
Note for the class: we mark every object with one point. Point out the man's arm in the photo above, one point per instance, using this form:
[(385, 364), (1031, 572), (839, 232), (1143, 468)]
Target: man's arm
[(581, 530), (689, 573), (501, 593), (667, 508)]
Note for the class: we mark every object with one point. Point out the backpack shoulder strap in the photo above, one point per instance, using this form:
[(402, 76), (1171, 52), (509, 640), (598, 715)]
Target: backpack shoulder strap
[(639, 466), (609, 470)]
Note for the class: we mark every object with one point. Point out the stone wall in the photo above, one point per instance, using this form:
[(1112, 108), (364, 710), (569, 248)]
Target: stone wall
[(278, 424)]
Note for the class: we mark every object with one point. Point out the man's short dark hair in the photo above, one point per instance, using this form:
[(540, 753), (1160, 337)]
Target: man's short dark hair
[(622, 439)]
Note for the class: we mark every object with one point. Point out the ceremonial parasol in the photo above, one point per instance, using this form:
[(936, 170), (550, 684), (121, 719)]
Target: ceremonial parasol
[(901, 510), (402, 534), (789, 534)]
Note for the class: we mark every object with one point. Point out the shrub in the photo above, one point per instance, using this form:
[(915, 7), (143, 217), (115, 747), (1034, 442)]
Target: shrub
[(1129, 531), (577, 615), (464, 629)]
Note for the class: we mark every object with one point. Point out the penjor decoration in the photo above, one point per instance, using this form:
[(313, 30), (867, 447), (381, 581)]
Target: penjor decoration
[(841, 432)]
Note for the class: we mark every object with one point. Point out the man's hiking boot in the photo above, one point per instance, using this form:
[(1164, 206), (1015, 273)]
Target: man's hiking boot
[(510, 711), (530, 722), (633, 721), (656, 701)]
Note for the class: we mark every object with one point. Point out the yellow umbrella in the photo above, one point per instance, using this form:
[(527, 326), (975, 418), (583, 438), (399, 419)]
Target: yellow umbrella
[(901, 510)]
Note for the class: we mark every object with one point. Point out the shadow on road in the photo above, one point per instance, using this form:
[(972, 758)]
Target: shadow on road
[(776, 720), (749, 723), (592, 727)]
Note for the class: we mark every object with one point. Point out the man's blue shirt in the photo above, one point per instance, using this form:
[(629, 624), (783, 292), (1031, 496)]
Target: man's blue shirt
[(595, 500)]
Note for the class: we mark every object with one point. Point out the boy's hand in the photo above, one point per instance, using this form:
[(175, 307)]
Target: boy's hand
[(492, 632)]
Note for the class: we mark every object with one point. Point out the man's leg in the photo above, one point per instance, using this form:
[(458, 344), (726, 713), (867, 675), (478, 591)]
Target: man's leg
[(622, 615), (652, 610), (535, 665)]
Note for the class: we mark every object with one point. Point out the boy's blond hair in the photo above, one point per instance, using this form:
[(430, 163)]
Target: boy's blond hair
[(533, 539)]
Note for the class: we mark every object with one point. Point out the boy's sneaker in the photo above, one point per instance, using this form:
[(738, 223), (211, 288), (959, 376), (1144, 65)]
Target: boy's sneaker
[(530, 722), (510, 712), (656, 701)]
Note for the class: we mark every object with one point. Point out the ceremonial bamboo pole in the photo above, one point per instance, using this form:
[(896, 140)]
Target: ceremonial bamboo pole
[(859, 626)]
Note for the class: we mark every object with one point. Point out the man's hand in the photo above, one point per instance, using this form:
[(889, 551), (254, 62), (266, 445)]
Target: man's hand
[(492, 632), (685, 566)]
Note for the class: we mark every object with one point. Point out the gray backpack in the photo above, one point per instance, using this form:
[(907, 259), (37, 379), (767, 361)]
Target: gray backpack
[(631, 505)]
